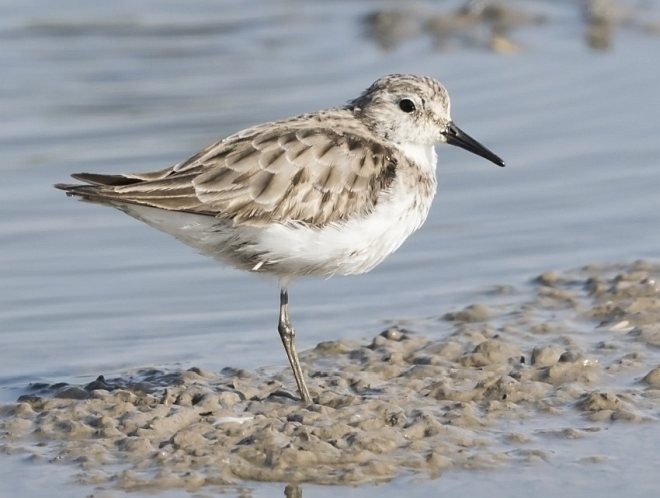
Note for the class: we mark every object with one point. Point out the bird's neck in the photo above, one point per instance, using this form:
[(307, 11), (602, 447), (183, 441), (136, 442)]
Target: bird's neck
[(423, 156)]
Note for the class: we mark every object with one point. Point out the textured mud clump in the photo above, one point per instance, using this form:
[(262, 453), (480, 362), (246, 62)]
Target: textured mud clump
[(577, 348)]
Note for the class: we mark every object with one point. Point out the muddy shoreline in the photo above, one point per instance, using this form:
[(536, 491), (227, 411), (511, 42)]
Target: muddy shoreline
[(580, 348)]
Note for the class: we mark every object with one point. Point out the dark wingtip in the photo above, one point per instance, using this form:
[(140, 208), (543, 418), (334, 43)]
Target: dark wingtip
[(70, 189), (80, 176), (105, 180)]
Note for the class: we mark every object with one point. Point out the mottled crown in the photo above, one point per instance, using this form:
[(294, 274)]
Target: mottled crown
[(380, 108), (425, 87)]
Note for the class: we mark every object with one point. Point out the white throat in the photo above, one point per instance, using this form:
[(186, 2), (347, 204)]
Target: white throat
[(422, 155)]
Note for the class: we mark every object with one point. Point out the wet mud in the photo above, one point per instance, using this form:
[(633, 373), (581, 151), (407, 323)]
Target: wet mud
[(579, 349)]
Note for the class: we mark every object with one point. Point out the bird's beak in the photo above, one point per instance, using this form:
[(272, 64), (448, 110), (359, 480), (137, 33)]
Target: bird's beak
[(456, 136)]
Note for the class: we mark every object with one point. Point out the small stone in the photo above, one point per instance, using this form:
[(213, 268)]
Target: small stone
[(470, 314), (392, 334), (72, 393), (599, 401), (99, 383), (228, 398), (653, 378), (492, 351), (545, 356), (549, 278)]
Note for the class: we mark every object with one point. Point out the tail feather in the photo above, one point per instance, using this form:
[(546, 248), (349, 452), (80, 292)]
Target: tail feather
[(95, 184), (118, 190), (98, 188), (107, 180), (85, 192)]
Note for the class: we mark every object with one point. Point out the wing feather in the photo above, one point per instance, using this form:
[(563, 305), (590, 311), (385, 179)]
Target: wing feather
[(293, 171)]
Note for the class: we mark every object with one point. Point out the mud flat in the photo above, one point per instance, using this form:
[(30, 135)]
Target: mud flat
[(580, 349)]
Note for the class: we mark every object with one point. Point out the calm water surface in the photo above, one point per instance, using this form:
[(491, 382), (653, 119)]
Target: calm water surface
[(131, 86)]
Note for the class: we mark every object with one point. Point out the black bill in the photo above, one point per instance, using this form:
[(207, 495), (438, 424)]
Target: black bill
[(456, 136)]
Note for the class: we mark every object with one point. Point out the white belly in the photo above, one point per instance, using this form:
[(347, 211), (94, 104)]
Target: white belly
[(346, 249)]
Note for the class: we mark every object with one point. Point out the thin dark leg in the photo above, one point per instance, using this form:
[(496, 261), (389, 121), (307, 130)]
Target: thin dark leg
[(288, 336)]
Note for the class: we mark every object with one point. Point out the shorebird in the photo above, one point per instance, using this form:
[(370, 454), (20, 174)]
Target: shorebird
[(327, 193)]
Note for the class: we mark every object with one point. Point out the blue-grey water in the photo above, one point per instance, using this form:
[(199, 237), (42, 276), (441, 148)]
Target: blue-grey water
[(134, 86)]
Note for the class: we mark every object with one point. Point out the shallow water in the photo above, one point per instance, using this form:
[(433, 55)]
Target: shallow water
[(123, 87)]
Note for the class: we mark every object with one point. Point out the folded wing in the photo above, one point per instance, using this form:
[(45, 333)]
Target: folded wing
[(311, 175)]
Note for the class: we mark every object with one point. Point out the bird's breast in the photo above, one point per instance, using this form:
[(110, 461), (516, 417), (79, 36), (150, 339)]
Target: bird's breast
[(356, 245)]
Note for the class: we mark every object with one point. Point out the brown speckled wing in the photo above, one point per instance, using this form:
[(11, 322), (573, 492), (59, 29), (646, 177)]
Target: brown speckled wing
[(297, 171)]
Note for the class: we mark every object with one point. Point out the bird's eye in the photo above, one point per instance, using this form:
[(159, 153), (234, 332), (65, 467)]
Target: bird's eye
[(406, 105)]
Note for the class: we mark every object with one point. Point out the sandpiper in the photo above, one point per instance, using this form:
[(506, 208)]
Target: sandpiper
[(327, 193)]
